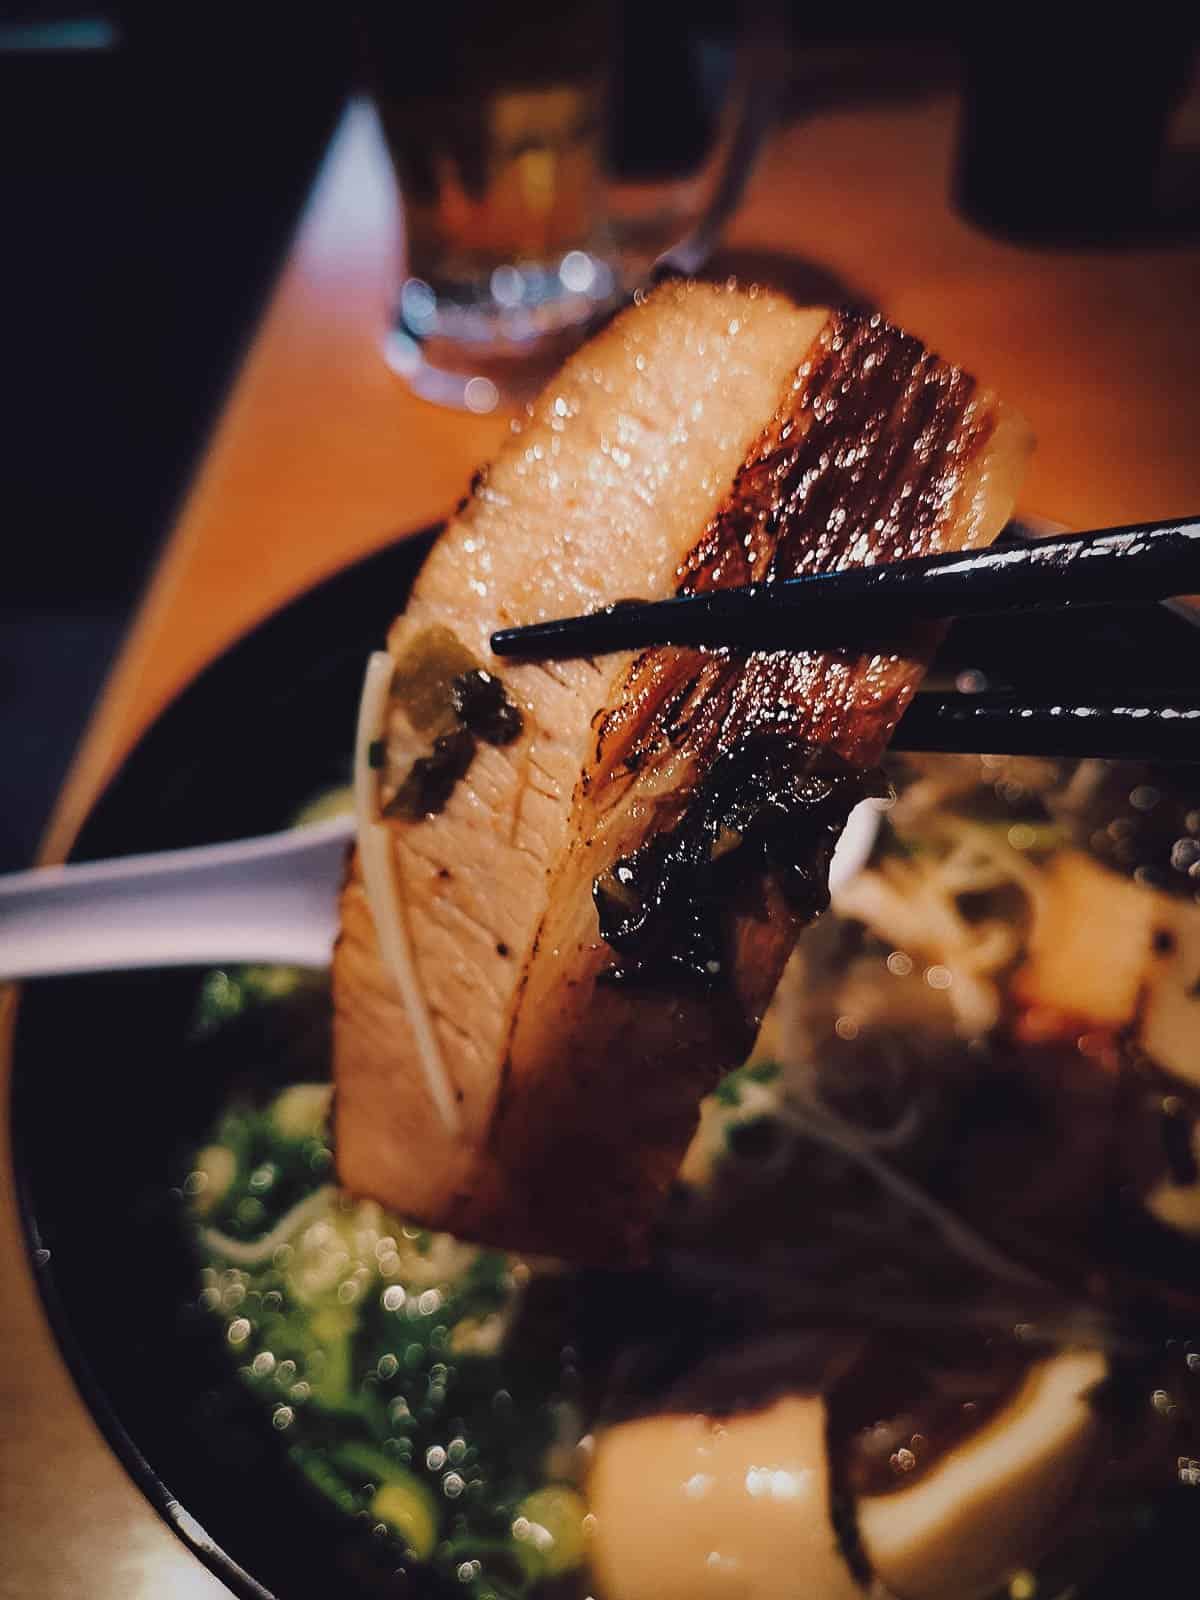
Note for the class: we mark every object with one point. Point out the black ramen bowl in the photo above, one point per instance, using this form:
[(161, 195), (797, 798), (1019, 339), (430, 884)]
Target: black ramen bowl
[(109, 1102)]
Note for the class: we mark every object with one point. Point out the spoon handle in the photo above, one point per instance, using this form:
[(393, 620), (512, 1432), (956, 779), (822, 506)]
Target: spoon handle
[(270, 899)]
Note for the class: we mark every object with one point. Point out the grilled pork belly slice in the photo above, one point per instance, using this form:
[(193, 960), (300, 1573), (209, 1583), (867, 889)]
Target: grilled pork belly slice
[(600, 866)]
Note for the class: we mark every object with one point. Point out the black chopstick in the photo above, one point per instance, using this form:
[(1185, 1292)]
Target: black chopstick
[(870, 605), (1138, 727)]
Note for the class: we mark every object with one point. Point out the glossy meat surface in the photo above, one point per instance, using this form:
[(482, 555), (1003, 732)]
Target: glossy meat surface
[(708, 436)]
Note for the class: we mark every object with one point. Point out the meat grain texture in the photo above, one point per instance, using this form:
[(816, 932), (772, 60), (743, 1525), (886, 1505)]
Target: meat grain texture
[(708, 436)]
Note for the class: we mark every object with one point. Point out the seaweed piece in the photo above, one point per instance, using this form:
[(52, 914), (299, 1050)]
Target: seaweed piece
[(770, 806), (484, 707), (431, 779)]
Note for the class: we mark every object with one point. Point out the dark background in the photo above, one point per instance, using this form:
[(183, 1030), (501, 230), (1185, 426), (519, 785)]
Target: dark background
[(150, 189)]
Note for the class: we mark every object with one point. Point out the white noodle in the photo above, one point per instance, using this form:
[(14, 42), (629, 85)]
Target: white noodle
[(914, 906), (832, 1131), (256, 1252), (381, 879)]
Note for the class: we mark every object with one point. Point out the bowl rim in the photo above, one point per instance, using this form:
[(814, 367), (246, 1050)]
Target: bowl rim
[(404, 553)]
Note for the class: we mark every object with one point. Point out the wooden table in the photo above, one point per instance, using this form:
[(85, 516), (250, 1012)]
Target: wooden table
[(322, 456)]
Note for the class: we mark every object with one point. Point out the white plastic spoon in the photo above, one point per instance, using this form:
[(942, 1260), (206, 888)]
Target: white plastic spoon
[(271, 899)]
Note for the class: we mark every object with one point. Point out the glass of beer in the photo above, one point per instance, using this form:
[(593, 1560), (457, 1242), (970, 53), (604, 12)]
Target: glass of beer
[(550, 158)]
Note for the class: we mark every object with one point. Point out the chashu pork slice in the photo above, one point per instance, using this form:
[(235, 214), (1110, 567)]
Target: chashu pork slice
[(597, 890)]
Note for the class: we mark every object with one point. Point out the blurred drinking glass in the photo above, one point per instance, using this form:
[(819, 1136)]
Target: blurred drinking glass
[(550, 158)]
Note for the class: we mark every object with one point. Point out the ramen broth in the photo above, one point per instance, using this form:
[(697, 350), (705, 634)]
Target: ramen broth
[(923, 1312)]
